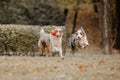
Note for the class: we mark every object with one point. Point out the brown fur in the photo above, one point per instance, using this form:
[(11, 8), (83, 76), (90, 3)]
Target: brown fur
[(44, 47)]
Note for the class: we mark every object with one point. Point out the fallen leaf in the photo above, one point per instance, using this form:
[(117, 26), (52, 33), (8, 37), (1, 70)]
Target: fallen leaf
[(58, 61), (90, 65), (113, 74), (72, 64), (101, 62), (110, 58), (81, 68), (112, 68), (55, 67)]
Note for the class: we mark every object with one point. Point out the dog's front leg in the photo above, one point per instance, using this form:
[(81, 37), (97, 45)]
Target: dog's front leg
[(60, 52)]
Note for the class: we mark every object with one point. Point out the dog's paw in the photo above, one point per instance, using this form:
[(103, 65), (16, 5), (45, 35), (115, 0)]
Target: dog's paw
[(62, 58)]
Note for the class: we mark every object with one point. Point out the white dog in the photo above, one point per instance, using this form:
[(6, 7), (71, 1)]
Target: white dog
[(49, 42), (78, 40), (56, 42)]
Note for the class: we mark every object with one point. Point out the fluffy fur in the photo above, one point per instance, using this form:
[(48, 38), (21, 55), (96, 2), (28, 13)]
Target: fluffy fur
[(44, 43), (56, 42), (78, 40), (49, 42)]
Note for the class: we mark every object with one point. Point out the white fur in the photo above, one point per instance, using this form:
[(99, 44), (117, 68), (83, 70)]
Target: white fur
[(79, 39), (56, 42), (44, 37), (83, 40), (78, 34)]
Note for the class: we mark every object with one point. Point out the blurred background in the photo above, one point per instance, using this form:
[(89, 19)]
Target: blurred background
[(21, 21)]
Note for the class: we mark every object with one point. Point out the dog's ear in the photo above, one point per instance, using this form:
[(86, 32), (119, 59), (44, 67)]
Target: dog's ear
[(42, 31), (83, 30)]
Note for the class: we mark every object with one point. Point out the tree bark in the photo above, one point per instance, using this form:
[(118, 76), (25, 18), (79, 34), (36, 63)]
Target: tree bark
[(95, 5), (74, 21), (117, 42), (106, 26), (70, 26), (70, 22)]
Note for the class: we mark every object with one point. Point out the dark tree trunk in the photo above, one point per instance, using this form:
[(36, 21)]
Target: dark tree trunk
[(70, 22), (75, 19), (69, 28), (106, 26), (65, 12), (117, 43), (70, 25), (95, 5)]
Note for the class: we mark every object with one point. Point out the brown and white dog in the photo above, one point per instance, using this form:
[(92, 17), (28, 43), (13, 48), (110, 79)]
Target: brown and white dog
[(50, 42), (78, 40), (44, 43)]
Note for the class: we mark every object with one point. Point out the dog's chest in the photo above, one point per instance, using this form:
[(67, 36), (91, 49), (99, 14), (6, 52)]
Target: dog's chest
[(56, 42)]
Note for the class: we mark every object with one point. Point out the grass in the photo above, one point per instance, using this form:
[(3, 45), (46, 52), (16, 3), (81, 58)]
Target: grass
[(78, 67)]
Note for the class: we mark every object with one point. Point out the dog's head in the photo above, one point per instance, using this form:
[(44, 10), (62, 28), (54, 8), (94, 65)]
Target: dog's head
[(57, 32), (81, 38)]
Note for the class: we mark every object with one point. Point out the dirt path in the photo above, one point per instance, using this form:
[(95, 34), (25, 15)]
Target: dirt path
[(78, 67)]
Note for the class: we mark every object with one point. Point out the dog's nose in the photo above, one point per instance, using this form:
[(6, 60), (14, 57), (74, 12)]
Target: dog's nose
[(78, 38), (84, 47), (57, 35)]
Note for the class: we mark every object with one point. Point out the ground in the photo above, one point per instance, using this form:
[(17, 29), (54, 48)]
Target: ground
[(78, 67)]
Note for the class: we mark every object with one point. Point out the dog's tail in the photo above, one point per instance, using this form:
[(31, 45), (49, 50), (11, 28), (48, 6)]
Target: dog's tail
[(42, 35), (42, 32)]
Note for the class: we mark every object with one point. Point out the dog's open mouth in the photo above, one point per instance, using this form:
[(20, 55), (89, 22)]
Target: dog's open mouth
[(80, 44), (83, 46), (78, 39), (58, 36)]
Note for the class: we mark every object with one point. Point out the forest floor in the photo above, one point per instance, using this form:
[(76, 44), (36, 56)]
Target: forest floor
[(78, 67)]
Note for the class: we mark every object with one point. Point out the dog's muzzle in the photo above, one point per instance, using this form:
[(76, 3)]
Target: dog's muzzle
[(81, 44), (57, 36)]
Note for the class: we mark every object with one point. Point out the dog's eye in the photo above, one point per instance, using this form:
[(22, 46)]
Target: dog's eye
[(60, 31), (76, 33), (56, 31), (81, 33)]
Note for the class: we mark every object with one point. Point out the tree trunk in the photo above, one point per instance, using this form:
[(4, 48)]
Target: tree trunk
[(70, 22), (75, 19), (106, 26), (117, 42), (95, 5), (70, 26)]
